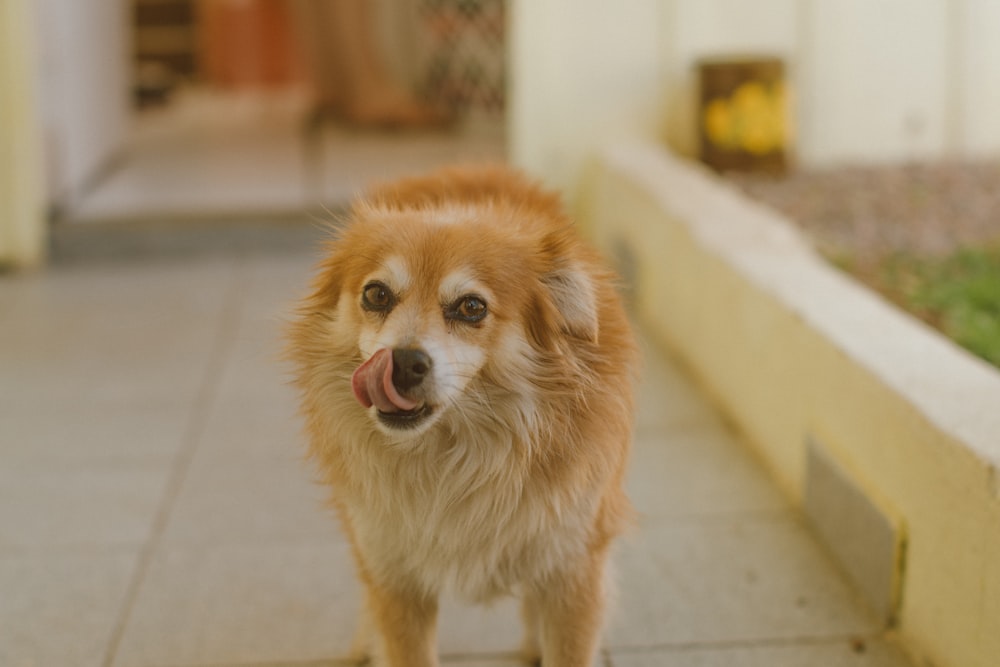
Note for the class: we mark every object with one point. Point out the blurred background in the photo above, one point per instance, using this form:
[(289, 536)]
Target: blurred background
[(153, 506), (189, 109), (141, 110)]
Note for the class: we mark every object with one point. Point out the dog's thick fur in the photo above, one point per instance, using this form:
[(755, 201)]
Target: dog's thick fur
[(506, 478)]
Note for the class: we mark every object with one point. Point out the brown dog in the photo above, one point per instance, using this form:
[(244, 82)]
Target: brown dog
[(466, 374)]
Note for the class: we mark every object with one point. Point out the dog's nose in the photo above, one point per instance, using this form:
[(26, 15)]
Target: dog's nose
[(409, 367)]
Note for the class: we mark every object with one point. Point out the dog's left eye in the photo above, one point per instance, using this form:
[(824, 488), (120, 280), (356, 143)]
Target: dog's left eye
[(469, 308), (377, 297)]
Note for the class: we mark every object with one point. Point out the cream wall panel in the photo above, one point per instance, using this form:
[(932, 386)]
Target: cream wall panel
[(581, 72), (709, 27), (695, 29), (874, 80), (977, 44), (85, 78)]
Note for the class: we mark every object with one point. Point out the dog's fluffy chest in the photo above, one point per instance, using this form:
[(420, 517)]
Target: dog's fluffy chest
[(479, 531)]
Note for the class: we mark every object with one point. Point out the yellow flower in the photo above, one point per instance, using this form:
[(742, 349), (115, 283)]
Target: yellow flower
[(752, 119), (719, 123), (751, 100)]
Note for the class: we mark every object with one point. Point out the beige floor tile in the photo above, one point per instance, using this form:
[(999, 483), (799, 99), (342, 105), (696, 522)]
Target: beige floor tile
[(123, 371), (469, 630), (484, 662), (274, 281), (254, 415), (254, 369), (99, 430), (113, 302), (292, 663), (699, 470), (106, 361), (61, 609), (665, 398), (235, 605), (55, 507), (248, 481), (506, 659), (844, 653), (730, 579), (102, 368), (251, 502), (446, 661), (254, 428)]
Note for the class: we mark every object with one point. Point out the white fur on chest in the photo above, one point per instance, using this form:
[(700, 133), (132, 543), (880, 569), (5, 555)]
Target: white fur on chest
[(470, 520)]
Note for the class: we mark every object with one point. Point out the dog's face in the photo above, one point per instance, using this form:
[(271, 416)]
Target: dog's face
[(425, 334), (445, 311)]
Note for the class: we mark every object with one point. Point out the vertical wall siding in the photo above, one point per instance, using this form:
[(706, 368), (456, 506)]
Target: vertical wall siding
[(874, 80), (85, 75), (976, 77), (581, 72), (875, 75), (22, 205), (698, 29)]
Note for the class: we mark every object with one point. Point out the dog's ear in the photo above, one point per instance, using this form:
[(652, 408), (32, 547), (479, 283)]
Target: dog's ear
[(329, 281), (575, 299)]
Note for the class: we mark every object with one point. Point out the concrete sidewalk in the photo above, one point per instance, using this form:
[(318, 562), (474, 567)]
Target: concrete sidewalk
[(154, 510)]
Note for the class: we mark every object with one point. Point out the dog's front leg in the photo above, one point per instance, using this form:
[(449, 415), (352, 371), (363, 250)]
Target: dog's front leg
[(406, 628), (570, 610), (364, 636), (531, 647)]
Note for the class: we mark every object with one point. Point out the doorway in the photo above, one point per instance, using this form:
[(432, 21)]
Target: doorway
[(226, 122)]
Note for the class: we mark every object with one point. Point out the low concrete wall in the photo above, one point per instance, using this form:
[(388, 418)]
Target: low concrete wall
[(803, 358)]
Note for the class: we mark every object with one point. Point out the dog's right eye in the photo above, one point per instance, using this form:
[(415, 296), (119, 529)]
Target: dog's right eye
[(377, 297)]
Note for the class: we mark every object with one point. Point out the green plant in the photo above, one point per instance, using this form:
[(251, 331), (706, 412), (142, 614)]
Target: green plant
[(958, 294)]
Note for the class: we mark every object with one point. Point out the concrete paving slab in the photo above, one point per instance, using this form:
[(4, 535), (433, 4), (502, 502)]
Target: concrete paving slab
[(106, 362), (243, 605), (732, 579), (58, 507), (697, 469), (61, 608), (251, 502), (843, 653), (476, 630), (667, 399), (250, 570)]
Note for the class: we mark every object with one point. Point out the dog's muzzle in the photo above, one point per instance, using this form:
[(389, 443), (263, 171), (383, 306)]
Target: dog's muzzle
[(389, 380)]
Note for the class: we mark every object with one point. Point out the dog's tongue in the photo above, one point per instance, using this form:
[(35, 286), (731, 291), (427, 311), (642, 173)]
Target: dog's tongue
[(372, 384)]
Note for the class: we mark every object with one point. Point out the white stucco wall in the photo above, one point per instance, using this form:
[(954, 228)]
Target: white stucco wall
[(874, 81), (84, 74), (581, 71)]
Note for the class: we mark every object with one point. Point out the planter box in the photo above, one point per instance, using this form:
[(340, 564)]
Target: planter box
[(884, 432)]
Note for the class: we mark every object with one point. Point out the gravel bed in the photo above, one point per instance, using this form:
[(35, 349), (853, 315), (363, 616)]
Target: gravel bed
[(862, 215)]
